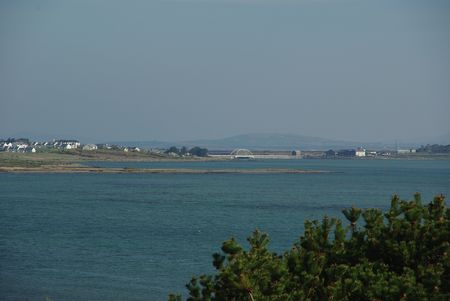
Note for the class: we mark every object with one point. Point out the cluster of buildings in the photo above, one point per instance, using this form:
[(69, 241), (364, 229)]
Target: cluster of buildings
[(361, 152), (24, 145), (21, 145)]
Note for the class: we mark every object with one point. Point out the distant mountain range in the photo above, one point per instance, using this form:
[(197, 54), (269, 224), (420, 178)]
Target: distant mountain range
[(269, 142)]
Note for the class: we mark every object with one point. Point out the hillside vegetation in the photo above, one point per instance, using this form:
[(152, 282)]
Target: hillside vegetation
[(75, 156), (434, 149), (401, 254)]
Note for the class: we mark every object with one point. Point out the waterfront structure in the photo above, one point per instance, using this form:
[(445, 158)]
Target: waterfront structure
[(406, 151), (360, 152), (371, 154), (296, 153), (242, 154)]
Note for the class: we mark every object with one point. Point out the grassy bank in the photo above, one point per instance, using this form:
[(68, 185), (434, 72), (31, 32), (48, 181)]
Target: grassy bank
[(71, 157)]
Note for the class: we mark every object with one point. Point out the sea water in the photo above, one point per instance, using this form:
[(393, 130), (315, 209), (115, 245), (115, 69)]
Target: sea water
[(142, 236)]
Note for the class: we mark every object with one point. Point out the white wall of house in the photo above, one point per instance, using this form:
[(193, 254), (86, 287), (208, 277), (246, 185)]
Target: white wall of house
[(360, 153), (90, 147)]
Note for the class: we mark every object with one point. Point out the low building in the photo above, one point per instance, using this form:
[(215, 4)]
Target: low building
[(371, 153), (89, 147), (385, 153), (6, 146), (360, 152), (296, 153), (103, 146), (406, 151), (20, 148), (66, 144)]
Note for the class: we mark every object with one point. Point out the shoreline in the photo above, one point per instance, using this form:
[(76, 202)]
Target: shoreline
[(99, 170)]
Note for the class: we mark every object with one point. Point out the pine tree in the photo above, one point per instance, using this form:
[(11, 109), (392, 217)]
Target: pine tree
[(402, 254)]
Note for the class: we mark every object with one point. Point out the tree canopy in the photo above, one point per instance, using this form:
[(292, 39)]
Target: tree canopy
[(435, 148), (198, 151), (400, 254), (195, 151)]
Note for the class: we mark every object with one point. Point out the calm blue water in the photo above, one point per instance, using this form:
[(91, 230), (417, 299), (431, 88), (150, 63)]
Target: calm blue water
[(141, 236)]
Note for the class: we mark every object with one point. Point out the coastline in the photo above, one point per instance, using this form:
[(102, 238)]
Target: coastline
[(85, 169), (73, 162)]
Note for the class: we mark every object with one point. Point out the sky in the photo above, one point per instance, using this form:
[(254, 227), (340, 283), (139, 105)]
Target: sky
[(189, 69)]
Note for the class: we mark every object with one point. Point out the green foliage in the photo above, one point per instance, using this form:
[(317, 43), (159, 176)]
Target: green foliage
[(173, 149), (195, 151), (434, 149), (198, 151), (402, 254)]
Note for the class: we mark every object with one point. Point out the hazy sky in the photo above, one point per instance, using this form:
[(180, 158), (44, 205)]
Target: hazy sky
[(174, 70)]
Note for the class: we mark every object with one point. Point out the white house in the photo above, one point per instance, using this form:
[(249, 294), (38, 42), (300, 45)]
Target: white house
[(131, 149), (360, 152), (7, 146), (21, 147), (406, 151), (371, 154), (66, 144), (90, 147)]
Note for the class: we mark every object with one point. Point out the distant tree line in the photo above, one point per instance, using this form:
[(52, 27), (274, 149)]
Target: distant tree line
[(400, 254), (434, 148), (184, 151)]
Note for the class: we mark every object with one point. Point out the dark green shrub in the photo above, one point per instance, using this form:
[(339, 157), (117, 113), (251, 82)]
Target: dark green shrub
[(402, 254)]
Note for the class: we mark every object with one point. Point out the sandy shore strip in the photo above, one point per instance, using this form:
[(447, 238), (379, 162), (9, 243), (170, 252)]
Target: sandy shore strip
[(83, 169)]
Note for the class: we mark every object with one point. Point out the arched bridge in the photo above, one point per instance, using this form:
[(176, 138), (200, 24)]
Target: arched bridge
[(242, 153)]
